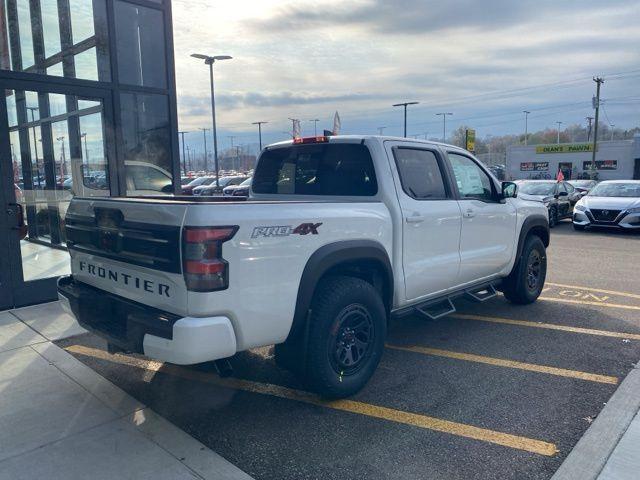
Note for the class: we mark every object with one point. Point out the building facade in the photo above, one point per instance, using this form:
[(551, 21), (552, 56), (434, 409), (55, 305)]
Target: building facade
[(618, 159), (88, 109)]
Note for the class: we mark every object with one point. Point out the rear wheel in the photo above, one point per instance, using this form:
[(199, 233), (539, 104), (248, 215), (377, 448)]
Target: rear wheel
[(346, 335), (526, 281)]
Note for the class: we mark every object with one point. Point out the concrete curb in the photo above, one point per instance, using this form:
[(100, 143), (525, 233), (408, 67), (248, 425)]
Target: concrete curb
[(589, 456), (199, 459)]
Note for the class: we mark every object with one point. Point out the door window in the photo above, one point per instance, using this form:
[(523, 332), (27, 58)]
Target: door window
[(420, 174), (473, 182)]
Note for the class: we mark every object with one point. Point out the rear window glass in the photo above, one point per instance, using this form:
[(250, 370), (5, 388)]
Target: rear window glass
[(322, 169)]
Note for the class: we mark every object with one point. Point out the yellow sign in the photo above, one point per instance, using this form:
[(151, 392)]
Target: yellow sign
[(471, 140), (569, 148)]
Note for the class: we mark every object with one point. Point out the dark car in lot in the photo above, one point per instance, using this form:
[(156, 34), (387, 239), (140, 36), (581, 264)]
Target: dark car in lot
[(583, 186), (241, 190), (196, 182), (558, 197)]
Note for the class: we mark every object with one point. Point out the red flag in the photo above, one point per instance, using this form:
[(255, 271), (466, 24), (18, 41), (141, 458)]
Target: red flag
[(560, 176)]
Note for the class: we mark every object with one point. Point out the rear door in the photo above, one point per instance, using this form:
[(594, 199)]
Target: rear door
[(488, 231), (431, 220)]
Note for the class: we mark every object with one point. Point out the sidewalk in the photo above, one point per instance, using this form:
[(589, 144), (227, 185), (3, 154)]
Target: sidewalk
[(610, 449), (61, 420)]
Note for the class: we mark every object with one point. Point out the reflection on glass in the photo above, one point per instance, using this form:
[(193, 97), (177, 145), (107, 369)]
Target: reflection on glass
[(50, 27), (33, 109), (87, 65), (140, 45), (12, 114), (26, 39), (55, 70), (81, 19), (57, 104)]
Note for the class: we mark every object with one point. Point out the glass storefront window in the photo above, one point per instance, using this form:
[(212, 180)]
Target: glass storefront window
[(81, 19), (87, 65), (55, 70), (147, 140), (140, 45), (57, 104), (50, 27), (26, 36)]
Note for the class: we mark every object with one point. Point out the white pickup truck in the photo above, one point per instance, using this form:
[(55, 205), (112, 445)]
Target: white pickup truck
[(338, 235)]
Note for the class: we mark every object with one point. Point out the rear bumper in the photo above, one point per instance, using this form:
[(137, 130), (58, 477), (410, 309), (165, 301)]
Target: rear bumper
[(138, 328)]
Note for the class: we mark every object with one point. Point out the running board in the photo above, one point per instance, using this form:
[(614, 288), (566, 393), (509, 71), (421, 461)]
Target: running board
[(436, 309), (481, 294)]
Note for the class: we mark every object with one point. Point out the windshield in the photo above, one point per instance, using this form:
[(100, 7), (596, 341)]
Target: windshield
[(537, 188), (582, 183), (616, 190)]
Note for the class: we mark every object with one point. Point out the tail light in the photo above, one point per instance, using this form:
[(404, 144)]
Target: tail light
[(203, 266)]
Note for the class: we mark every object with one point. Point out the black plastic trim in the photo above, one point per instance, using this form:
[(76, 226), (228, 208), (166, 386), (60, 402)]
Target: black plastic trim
[(330, 256), (531, 222)]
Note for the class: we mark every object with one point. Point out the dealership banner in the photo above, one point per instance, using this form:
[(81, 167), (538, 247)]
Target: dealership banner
[(568, 148), (470, 139), (534, 166), (601, 165)]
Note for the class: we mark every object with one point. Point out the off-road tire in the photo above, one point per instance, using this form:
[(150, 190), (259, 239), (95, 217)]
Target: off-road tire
[(338, 303), (524, 284)]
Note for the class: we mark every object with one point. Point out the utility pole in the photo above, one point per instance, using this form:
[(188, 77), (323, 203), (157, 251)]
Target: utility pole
[(381, 130), (611, 127), (189, 157), (63, 158), (426, 135), (444, 124), (184, 158), (204, 135), (259, 132), (589, 119), (558, 132), (599, 81), (35, 142), (293, 126), (405, 104), (315, 126), (526, 125)]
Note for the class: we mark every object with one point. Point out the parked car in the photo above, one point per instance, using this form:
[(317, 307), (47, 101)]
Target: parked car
[(583, 186), (316, 265), (216, 188), (558, 197), (196, 182), (241, 190), (610, 204)]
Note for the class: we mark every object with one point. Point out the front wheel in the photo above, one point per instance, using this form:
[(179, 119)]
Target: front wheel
[(347, 331), (526, 280), (553, 217)]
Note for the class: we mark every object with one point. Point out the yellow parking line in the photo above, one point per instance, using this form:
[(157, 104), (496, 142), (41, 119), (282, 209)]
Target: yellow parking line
[(351, 406), (548, 326), (499, 362), (584, 302), (599, 290)]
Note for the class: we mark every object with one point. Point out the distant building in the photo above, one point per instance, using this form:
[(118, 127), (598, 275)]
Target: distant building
[(618, 159)]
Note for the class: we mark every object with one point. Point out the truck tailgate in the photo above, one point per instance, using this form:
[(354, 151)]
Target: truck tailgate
[(129, 249)]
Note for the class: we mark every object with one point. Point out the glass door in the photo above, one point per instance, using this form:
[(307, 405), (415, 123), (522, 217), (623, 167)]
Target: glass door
[(53, 145)]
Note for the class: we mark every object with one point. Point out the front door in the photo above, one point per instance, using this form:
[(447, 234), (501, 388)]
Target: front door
[(430, 220), (567, 169), (488, 232), (52, 143)]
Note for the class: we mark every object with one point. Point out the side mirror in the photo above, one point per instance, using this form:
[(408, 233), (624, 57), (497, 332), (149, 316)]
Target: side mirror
[(509, 190)]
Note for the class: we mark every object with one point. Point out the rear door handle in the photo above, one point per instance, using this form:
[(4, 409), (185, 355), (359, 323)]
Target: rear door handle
[(415, 219), (469, 213)]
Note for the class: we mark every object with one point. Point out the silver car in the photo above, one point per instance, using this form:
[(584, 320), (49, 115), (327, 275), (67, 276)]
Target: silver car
[(612, 204)]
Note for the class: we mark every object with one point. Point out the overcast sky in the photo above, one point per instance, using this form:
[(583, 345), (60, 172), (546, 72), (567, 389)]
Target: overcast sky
[(483, 61)]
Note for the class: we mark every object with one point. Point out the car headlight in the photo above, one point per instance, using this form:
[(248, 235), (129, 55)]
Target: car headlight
[(580, 207), (633, 210)]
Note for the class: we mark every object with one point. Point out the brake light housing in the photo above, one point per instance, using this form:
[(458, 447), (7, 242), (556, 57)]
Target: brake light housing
[(203, 267), (318, 139)]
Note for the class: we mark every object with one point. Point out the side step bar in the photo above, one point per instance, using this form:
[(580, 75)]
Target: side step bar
[(440, 307)]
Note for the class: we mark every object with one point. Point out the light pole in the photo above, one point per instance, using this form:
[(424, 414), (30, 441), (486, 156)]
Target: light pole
[(293, 126), (259, 132), (86, 149), (315, 126), (405, 104), (184, 158), (526, 125), (611, 125), (558, 131), (444, 124), (63, 160), (210, 60), (204, 136), (381, 130), (35, 142)]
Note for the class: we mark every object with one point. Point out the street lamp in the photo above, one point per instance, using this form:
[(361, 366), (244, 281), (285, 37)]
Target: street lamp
[(184, 158), (210, 60), (86, 149), (315, 126), (259, 132), (35, 143), (63, 160), (444, 124), (381, 130), (405, 104), (526, 125), (558, 131), (204, 136)]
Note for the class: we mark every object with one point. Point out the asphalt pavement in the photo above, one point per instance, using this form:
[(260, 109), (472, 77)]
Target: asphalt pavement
[(493, 391)]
